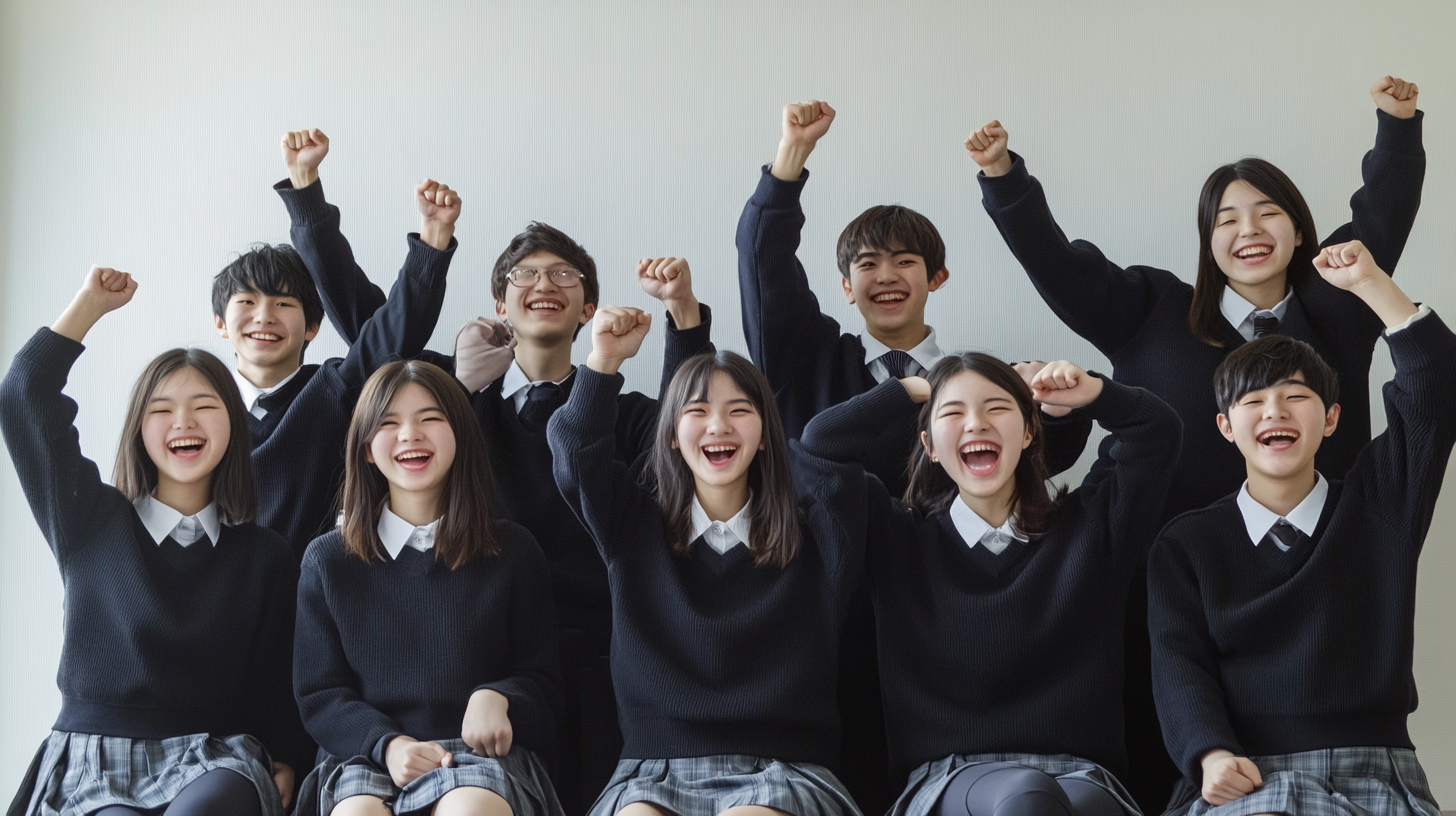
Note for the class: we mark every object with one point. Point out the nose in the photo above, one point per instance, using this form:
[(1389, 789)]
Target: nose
[(1249, 224), (717, 423), (184, 417), (410, 430), (977, 421), (1276, 408)]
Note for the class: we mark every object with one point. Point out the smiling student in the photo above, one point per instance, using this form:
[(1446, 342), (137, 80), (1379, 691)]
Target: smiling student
[(1283, 616), (176, 658), (426, 662), (999, 606), (726, 605), (545, 288)]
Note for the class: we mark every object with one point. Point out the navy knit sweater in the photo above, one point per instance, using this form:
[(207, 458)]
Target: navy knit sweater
[(1138, 316), (1261, 657), (160, 641), (1021, 651), (809, 362), (392, 647), (710, 654)]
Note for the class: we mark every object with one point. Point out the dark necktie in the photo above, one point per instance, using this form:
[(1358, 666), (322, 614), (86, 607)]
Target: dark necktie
[(541, 402), (1265, 323), (1286, 537), (900, 364)]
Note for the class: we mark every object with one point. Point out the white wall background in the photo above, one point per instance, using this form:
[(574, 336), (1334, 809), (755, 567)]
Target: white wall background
[(143, 135)]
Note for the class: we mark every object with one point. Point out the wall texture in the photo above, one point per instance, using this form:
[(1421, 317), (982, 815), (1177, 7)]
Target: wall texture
[(143, 135)]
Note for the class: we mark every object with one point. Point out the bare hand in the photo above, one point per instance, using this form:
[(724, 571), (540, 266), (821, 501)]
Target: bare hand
[(918, 388), (1065, 384), (1348, 265), (617, 333), (1395, 96), (1028, 369), (303, 152), (666, 279), (440, 207), (989, 148), (104, 290), (1227, 777), (283, 778), (484, 350), (409, 759), (805, 123), (486, 728)]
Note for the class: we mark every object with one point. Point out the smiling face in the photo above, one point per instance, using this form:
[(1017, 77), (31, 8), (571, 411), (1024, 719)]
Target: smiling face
[(1279, 429), (185, 429), (890, 287), (1253, 238), (544, 312), (414, 445), (977, 433), (720, 436), (267, 332)]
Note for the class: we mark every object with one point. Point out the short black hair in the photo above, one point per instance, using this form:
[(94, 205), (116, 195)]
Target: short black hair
[(1271, 360), (276, 271), (889, 227)]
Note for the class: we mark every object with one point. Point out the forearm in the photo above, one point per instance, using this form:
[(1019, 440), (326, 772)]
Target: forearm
[(790, 160), (1386, 299), (844, 432), (77, 319)]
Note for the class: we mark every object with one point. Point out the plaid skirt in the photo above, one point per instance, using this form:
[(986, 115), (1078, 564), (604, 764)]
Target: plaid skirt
[(518, 777), (929, 781), (77, 774), (1332, 782), (707, 786)]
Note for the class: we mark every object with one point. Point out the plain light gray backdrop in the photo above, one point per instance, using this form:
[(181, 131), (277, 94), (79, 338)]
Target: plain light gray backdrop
[(144, 135)]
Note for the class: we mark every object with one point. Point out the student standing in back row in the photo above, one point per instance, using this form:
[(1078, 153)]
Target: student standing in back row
[(545, 287)]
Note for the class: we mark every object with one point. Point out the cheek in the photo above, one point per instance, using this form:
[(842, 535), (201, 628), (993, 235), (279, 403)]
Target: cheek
[(445, 447), (154, 433)]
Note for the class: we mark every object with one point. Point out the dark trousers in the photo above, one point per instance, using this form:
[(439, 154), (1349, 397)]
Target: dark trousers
[(591, 740)]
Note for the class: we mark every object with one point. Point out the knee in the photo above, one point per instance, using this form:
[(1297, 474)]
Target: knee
[(1003, 789), (470, 801), (361, 806), (1090, 800)]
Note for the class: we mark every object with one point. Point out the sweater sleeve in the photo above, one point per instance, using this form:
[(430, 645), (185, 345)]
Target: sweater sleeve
[(596, 484), (348, 295), (637, 413), (271, 705), (63, 487), (684, 344), (1099, 300), (1064, 438)]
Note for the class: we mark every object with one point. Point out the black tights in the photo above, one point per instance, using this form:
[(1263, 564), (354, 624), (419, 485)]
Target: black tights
[(1008, 789), (216, 793)]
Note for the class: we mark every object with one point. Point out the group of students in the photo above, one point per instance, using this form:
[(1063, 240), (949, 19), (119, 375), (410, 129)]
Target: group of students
[(492, 583)]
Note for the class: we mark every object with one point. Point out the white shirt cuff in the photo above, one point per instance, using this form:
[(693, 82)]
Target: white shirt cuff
[(1420, 313)]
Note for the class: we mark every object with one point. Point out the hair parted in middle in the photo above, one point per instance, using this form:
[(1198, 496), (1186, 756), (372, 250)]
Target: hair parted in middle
[(931, 489), (773, 514), (1268, 361), (467, 506), (890, 227), (135, 474)]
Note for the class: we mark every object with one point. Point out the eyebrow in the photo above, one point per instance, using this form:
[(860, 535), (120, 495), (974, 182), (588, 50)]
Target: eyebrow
[(1255, 204), (873, 253), (199, 395)]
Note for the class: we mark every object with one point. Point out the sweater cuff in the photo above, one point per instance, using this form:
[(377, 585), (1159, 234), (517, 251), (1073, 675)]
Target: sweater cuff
[(381, 748), (775, 193), (1117, 401), (424, 261), (1394, 135), (596, 387), (51, 351), (1424, 342), (306, 206), (1421, 312), (702, 331), (1003, 191)]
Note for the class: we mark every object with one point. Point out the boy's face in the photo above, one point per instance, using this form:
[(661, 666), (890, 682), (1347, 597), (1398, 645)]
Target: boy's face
[(1278, 429), (545, 312), (266, 331), (890, 287)]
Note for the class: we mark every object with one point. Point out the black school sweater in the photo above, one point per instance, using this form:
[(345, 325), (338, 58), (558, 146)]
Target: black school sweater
[(393, 647), (1021, 651), (1261, 658), (525, 488), (160, 640), (809, 362), (710, 654), (1138, 316)]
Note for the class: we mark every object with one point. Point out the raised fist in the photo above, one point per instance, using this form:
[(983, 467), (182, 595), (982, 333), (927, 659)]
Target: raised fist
[(805, 123), (1346, 265), (1395, 96), (437, 202), (666, 279), (107, 289), (484, 350), (303, 152), (1065, 384), (988, 148), (1028, 369), (617, 333)]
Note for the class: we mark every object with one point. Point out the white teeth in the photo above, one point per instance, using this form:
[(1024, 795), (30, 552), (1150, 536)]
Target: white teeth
[(186, 442), (263, 336), (413, 455), (889, 296), (719, 448), (545, 304), (1249, 252), (972, 447), (1269, 436)]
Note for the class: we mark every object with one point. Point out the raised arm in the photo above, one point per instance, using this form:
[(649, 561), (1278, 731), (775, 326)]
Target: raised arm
[(670, 280), (1099, 300)]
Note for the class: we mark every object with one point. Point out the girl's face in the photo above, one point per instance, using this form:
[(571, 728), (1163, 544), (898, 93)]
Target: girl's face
[(1253, 238), (719, 436), (415, 445), (186, 428), (977, 433)]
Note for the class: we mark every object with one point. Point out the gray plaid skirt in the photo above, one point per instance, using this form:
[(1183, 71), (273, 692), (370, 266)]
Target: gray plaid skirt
[(1333, 782), (77, 774), (929, 781), (707, 786), (518, 777)]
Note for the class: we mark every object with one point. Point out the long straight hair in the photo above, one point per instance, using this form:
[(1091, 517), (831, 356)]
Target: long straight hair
[(468, 505), (932, 490), (773, 513), (135, 474), (1205, 315)]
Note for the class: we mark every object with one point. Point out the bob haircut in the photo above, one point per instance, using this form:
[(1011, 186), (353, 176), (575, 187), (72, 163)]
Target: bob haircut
[(540, 237), (135, 474), (275, 271), (891, 227), (773, 514), (1205, 314), (932, 490), (1268, 361), (467, 510)]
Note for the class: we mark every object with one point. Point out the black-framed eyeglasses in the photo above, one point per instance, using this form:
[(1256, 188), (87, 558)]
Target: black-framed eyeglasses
[(563, 276)]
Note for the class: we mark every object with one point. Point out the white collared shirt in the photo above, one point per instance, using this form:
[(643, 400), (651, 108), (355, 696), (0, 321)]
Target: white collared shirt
[(395, 533), (162, 521), (1259, 520), (517, 387), (973, 528), (926, 354), (722, 536), (1239, 312), (252, 393)]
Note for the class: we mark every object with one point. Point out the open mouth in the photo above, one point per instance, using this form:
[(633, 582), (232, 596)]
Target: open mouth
[(1278, 439), (414, 460), (890, 298), (719, 455), (186, 447), (545, 306), (263, 337), (980, 458), (1254, 254)]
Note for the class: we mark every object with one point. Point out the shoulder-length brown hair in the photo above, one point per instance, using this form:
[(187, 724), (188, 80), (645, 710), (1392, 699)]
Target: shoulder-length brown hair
[(773, 514), (468, 505), (1205, 315), (931, 489), (135, 474)]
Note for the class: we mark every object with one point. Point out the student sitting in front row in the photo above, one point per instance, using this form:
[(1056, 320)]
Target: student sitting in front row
[(1282, 616), (426, 662), (178, 616)]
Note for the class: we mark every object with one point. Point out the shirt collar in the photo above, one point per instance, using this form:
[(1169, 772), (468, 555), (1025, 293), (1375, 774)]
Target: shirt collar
[(161, 520), (1238, 311), (1259, 520), (251, 393), (721, 535), (395, 533), (516, 384), (973, 528), (926, 354)]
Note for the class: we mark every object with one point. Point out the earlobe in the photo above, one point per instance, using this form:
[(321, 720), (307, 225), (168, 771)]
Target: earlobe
[(587, 313), (1299, 239), (939, 278), (500, 309), (1332, 419), (925, 443), (221, 326), (1026, 439), (848, 289), (1225, 427), (311, 332)]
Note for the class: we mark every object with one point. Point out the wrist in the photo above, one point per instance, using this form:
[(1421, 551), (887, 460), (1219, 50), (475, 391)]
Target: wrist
[(436, 234), (302, 177), (603, 364), (1216, 755), (685, 312), (788, 164), (1000, 167)]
